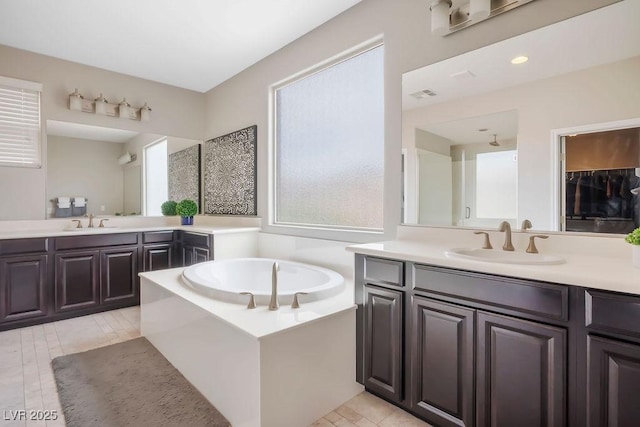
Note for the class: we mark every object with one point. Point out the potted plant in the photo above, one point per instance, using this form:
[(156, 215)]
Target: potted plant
[(187, 208), (634, 239), (168, 208)]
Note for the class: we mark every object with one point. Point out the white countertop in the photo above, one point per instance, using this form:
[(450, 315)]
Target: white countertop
[(598, 270), (26, 234), (258, 322)]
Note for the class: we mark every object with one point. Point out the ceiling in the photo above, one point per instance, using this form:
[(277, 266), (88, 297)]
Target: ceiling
[(466, 131), (600, 37), (192, 44)]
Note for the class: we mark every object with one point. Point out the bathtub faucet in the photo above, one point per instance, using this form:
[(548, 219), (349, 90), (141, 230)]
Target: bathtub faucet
[(273, 304)]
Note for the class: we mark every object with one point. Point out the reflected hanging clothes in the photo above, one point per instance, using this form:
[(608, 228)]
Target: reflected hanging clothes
[(584, 196)]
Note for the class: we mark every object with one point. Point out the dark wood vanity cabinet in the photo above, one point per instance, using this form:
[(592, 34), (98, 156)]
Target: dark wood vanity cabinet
[(23, 280), (478, 349), (85, 279), (46, 279), (96, 271), (158, 250), (442, 362), (119, 275), (612, 345), (23, 287), (77, 280), (521, 372), (383, 341), (194, 247)]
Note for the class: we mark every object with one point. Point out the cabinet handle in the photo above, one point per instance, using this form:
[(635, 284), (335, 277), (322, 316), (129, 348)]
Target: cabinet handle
[(252, 301), (532, 245), (295, 303), (487, 243), (467, 214)]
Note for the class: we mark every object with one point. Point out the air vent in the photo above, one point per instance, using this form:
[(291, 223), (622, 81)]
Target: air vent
[(463, 75), (423, 94)]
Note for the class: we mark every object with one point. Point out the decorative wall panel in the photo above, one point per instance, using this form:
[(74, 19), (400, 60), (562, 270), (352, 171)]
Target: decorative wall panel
[(230, 173), (184, 175)]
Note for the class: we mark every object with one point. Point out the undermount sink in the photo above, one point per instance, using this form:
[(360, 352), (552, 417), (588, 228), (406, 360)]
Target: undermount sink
[(504, 257)]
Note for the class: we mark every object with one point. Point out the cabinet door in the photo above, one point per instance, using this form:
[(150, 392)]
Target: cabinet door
[(23, 287), (119, 280), (188, 255), (77, 280), (383, 342), (442, 362), (613, 383), (158, 257), (200, 255), (521, 373)]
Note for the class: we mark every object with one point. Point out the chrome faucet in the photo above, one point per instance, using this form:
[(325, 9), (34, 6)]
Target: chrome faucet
[(506, 227), (273, 304)]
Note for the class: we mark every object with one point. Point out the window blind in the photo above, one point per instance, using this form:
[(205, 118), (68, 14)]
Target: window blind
[(19, 123)]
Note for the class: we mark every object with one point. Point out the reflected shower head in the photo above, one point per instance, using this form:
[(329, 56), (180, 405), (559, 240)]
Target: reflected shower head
[(495, 141)]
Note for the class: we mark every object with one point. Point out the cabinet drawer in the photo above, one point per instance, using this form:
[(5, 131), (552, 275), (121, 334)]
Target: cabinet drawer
[(195, 239), (383, 271), (609, 312), (92, 241), (512, 295), (157, 236), (23, 246)]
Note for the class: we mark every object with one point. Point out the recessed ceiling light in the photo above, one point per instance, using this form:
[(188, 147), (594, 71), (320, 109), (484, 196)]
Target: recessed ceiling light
[(519, 60)]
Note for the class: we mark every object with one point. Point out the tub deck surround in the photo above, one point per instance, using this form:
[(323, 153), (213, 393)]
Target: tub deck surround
[(591, 261), (259, 322), (260, 368)]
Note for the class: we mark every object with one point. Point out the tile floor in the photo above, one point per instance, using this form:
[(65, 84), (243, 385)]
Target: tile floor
[(27, 382)]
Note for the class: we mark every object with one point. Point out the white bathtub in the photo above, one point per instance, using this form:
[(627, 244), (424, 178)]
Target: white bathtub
[(225, 279)]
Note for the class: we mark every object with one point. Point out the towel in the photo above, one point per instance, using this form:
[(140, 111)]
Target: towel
[(64, 202), (79, 202)]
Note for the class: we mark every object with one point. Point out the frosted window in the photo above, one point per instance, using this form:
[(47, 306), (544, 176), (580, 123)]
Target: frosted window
[(497, 184), (156, 177), (330, 146)]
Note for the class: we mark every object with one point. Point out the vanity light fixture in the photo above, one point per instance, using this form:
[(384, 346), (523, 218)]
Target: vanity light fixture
[(448, 16), (479, 9), (145, 113), (124, 159), (440, 16), (101, 106), (519, 60), (123, 109), (75, 100)]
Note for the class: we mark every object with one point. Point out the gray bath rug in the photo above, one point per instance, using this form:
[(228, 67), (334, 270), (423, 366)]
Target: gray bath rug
[(129, 384)]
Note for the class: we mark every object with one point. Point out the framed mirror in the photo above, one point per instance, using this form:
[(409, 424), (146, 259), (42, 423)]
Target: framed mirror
[(483, 132), (106, 167)]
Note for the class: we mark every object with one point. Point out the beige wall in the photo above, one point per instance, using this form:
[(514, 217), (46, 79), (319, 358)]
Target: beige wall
[(177, 112), (244, 100), (598, 95), (80, 167)]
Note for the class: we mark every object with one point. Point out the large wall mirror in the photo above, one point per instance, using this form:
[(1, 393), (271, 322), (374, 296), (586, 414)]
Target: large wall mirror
[(118, 172), (485, 134)]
